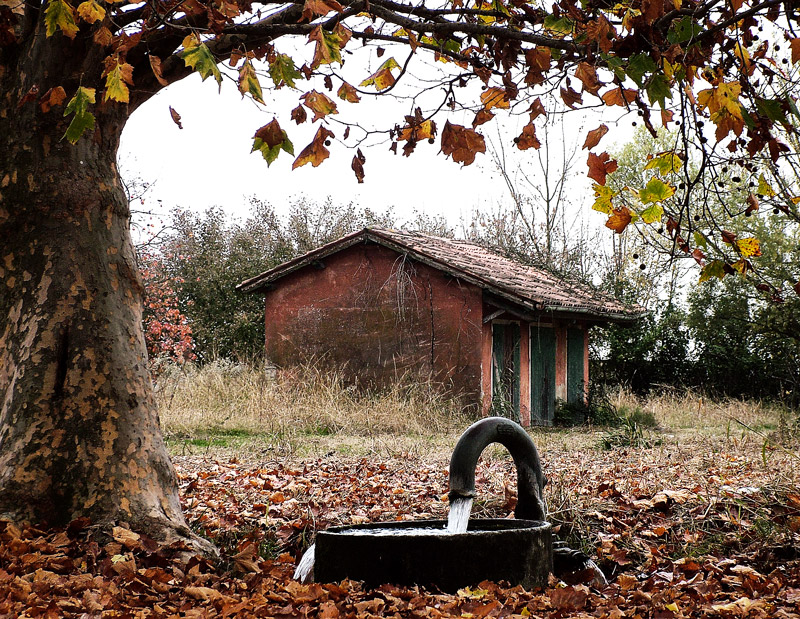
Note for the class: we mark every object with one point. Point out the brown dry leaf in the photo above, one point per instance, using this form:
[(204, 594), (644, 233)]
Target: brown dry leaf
[(317, 8), (600, 166), (462, 143), (348, 93), (357, 165), (203, 593), (53, 97), (587, 74), (594, 136), (483, 116), (569, 598), (315, 153), (494, 97), (527, 139), (328, 610), (619, 96), (794, 43), (571, 97), (272, 135), (126, 537), (155, 66), (619, 219), (176, 118), (319, 103), (299, 115)]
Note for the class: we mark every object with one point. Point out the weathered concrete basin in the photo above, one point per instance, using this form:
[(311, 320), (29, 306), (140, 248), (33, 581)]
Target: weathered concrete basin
[(517, 551)]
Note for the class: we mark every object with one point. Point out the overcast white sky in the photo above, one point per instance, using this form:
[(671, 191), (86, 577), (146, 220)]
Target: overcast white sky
[(208, 162)]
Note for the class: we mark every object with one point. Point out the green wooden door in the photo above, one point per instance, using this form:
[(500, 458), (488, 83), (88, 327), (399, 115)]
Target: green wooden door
[(576, 388), (543, 374), (505, 370)]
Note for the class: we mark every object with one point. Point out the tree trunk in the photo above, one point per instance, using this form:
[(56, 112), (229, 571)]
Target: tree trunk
[(79, 428)]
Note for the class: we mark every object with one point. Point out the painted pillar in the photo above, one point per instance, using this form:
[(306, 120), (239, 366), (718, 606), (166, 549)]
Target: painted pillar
[(524, 373), (586, 363), (561, 361), (486, 368)]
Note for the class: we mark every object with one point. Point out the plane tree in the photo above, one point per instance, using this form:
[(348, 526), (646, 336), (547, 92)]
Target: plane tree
[(79, 431)]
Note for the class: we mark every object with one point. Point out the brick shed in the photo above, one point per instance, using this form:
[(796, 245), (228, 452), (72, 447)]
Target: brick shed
[(509, 338)]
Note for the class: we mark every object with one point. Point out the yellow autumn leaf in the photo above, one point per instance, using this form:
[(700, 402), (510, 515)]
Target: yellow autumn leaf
[(347, 93), (423, 131), (118, 75), (749, 246), (602, 202), (320, 104), (665, 162), (382, 78), (725, 96), (741, 266), (248, 82), (91, 12), (60, 15), (764, 187), (494, 97)]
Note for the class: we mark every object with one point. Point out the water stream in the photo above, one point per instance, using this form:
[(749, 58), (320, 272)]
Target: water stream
[(457, 520), (305, 569), (458, 517)]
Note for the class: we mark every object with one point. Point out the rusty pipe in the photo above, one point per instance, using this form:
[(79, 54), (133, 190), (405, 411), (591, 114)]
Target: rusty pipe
[(531, 504)]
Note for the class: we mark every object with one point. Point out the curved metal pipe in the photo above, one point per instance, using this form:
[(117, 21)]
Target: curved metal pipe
[(530, 479)]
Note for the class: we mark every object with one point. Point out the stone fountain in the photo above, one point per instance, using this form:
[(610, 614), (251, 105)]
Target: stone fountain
[(461, 552)]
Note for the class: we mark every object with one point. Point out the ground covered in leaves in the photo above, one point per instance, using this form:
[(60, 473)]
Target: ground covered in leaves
[(705, 528)]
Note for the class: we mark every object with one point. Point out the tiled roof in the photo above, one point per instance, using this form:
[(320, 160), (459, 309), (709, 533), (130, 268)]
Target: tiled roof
[(530, 287)]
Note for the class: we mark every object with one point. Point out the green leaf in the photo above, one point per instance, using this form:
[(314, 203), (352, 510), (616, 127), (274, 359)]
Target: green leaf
[(616, 64), (665, 163), (60, 15), (638, 66), (559, 26), (283, 71), (83, 119), (683, 30), (270, 140), (700, 239), (715, 268), (771, 108), (656, 190), (652, 214), (197, 56), (658, 90), (248, 82)]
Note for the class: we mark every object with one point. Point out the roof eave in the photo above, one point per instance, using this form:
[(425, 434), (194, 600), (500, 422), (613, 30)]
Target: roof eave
[(260, 282), (618, 317)]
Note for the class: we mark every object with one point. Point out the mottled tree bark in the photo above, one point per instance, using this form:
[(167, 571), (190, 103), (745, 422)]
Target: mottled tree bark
[(79, 429)]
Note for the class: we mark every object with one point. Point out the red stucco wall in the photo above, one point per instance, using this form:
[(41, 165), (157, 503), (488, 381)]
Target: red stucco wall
[(378, 316)]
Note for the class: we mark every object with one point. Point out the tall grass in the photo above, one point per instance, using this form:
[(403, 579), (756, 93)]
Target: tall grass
[(680, 409), (223, 397)]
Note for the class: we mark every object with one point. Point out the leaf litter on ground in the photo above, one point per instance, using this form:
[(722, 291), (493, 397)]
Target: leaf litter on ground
[(705, 528)]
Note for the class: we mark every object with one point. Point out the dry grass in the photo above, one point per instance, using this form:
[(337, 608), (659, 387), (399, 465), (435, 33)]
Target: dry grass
[(227, 405), (687, 410), (232, 408)]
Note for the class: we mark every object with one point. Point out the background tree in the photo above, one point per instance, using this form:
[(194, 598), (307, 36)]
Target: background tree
[(167, 331), (207, 255), (79, 426), (544, 227)]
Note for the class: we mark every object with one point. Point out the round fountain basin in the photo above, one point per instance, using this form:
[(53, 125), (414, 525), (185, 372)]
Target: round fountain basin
[(422, 552)]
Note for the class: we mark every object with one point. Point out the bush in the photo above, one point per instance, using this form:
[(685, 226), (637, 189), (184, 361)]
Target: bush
[(597, 409)]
